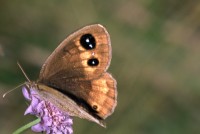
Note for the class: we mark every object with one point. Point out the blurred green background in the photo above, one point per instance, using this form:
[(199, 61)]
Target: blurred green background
[(156, 59)]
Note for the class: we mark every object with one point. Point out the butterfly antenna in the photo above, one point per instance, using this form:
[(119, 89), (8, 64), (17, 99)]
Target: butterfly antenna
[(12, 90), (23, 72), (20, 84)]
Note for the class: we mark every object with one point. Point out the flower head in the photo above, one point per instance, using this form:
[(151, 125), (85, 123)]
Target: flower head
[(52, 119)]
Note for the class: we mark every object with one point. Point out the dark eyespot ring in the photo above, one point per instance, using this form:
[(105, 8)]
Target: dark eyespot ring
[(88, 41), (93, 62), (94, 107)]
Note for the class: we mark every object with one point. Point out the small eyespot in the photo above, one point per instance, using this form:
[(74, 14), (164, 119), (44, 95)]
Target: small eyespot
[(88, 41), (94, 107), (93, 62)]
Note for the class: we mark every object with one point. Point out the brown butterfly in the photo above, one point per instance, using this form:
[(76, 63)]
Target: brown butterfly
[(74, 76)]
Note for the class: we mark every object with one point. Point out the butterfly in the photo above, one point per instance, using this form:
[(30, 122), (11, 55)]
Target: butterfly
[(75, 79)]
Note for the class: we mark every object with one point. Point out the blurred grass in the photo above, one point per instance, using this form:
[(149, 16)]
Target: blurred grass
[(155, 59)]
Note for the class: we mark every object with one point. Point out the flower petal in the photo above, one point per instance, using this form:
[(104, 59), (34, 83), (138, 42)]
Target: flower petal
[(35, 101), (69, 130), (37, 128), (29, 110), (26, 93), (47, 121), (53, 120)]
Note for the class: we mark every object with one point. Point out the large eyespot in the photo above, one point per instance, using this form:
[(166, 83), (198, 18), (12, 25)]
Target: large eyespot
[(88, 41), (93, 62)]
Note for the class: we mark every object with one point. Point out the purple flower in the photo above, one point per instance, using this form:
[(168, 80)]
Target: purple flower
[(53, 121)]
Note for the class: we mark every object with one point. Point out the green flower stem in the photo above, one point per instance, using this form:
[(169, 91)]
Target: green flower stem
[(23, 128)]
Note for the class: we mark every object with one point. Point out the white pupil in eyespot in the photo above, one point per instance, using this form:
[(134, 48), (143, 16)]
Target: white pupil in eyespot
[(87, 40)]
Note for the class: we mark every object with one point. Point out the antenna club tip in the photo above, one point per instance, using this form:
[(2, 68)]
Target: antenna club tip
[(4, 96)]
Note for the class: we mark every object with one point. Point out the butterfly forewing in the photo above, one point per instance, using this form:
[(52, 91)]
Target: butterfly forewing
[(72, 60)]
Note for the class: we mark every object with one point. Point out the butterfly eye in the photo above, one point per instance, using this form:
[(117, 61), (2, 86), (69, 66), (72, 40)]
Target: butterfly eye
[(88, 41), (93, 62)]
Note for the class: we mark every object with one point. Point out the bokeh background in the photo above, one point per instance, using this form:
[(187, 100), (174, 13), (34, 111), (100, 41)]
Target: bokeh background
[(156, 59)]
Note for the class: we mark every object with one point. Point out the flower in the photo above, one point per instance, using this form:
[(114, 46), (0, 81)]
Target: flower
[(53, 121)]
